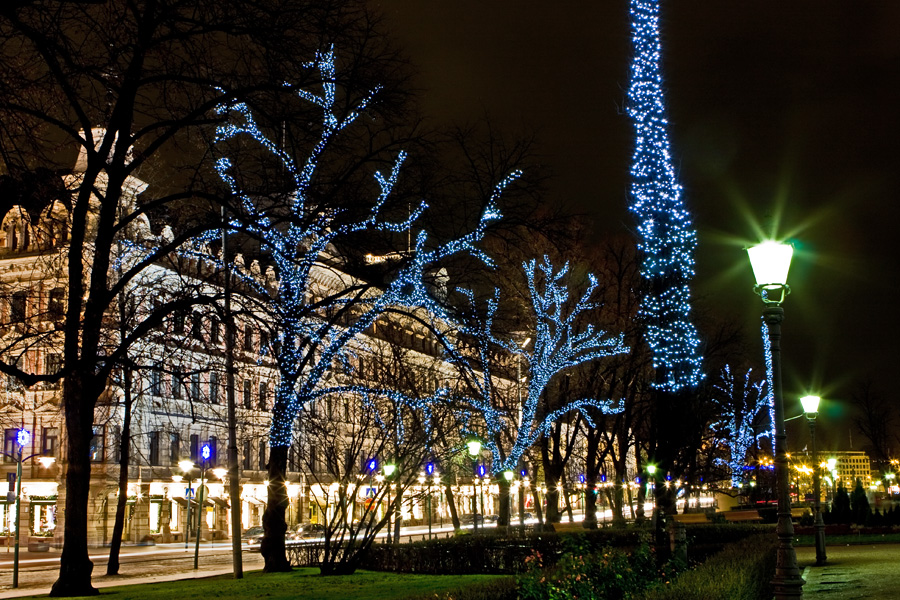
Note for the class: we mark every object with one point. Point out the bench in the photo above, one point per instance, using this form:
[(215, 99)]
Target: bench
[(742, 516), (799, 513), (691, 518)]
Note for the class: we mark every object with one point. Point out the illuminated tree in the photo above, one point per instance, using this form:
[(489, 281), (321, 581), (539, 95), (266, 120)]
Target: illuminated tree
[(318, 309), (740, 402), (564, 338), (667, 238)]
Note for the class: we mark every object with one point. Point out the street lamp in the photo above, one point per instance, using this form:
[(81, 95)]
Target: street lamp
[(389, 469), (187, 467), (811, 408), (474, 448), (205, 453), (771, 261), (23, 438)]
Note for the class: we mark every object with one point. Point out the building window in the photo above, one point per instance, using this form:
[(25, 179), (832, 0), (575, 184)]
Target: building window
[(248, 393), (213, 449), (262, 455), (248, 338), (154, 448), (49, 441), (195, 448), (17, 307), (174, 448), (313, 460), (177, 385), (245, 456), (214, 331), (178, 320), (56, 304), (214, 387), (197, 327), (195, 387), (53, 364), (98, 444), (263, 342), (10, 447), (263, 395), (155, 383)]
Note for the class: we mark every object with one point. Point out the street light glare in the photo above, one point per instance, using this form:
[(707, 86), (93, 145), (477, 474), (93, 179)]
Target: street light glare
[(185, 465), (810, 405), (771, 261)]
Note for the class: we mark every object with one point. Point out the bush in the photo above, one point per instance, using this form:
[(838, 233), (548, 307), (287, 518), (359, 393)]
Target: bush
[(612, 574), (742, 571)]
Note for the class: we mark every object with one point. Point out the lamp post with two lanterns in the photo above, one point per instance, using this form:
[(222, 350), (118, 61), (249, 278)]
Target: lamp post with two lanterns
[(23, 438), (770, 262), (811, 408)]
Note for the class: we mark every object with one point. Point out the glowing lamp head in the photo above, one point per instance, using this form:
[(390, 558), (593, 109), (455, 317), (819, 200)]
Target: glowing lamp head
[(651, 469), (810, 406), (46, 461), (220, 472), (389, 469), (474, 447), (185, 465), (508, 475), (23, 438), (771, 261), (205, 452)]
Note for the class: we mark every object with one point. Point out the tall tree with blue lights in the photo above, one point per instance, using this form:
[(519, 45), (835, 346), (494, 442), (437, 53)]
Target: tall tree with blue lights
[(319, 326), (667, 241)]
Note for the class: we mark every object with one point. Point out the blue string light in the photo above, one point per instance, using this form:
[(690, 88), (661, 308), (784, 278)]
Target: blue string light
[(561, 341), (311, 343), (770, 380), (739, 405), (666, 235)]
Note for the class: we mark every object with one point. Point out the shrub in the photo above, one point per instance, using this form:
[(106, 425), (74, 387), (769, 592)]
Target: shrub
[(742, 571)]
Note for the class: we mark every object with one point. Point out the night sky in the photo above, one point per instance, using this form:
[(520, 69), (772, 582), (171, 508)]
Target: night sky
[(784, 119)]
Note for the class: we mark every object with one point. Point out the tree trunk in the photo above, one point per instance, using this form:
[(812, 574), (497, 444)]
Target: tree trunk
[(112, 567), (451, 504), (272, 545), (505, 504), (75, 566), (590, 505), (618, 502)]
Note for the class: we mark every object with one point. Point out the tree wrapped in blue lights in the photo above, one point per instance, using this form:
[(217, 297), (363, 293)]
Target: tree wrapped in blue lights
[(770, 387), (740, 401), (564, 338), (318, 326), (666, 235)]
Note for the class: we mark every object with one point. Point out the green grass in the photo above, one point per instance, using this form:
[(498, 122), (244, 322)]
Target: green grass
[(851, 539), (301, 584)]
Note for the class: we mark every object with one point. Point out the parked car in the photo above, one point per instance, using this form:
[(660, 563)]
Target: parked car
[(470, 519), (253, 535), (491, 518), (305, 531)]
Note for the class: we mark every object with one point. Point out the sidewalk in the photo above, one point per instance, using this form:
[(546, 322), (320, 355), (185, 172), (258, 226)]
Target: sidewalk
[(868, 571)]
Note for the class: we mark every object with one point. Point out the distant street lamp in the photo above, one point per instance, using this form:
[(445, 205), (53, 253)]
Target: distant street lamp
[(23, 438), (389, 469), (474, 448), (770, 262), (187, 467), (205, 453), (811, 408)]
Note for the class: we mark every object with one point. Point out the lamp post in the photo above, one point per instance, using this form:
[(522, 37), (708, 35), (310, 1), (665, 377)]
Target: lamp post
[(811, 408), (187, 467), (429, 472), (23, 438), (205, 453), (771, 261), (389, 469), (474, 448)]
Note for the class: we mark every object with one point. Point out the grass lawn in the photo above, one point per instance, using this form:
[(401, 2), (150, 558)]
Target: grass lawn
[(851, 539), (301, 584)]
